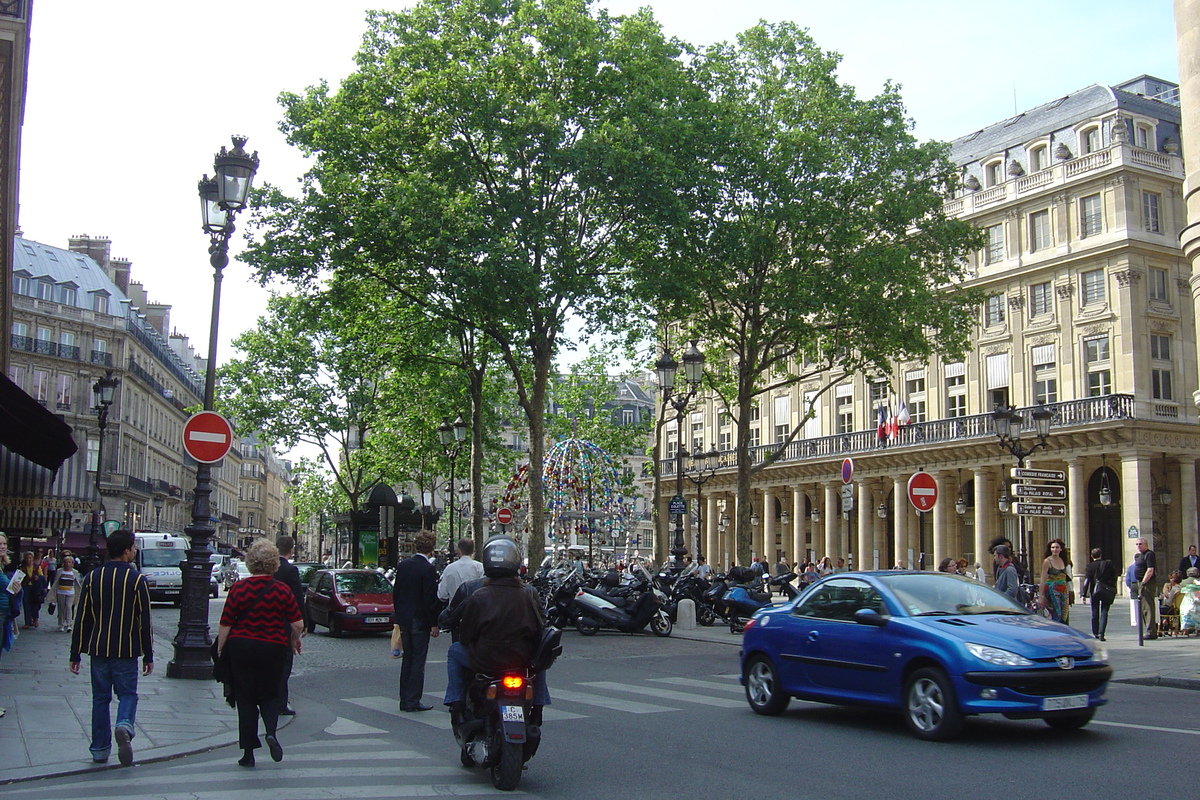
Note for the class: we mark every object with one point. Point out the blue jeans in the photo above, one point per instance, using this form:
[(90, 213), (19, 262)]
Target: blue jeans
[(109, 675), (458, 670)]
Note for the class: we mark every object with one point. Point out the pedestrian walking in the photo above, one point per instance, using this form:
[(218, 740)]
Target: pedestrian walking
[(260, 621), (1145, 573), (465, 568), (290, 577), (1100, 582), (63, 591), (415, 611), (33, 588), (1055, 595), (1007, 580), (113, 628), (10, 597)]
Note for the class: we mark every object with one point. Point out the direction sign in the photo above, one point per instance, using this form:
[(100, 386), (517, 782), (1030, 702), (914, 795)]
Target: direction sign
[(207, 437), (504, 515), (1040, 509), (922, 491), (847, 497), (847, 470), (678, 505), (1039, 474), (1039, 490)]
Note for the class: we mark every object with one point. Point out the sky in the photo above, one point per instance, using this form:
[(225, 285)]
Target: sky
[(128, 101)]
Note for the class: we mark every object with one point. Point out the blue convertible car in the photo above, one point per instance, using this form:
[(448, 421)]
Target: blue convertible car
[(933, 646)]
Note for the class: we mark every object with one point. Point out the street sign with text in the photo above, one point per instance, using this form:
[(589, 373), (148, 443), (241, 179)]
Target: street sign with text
[(678, 505), (1038, 490), (1040, 509), (1039, 474)]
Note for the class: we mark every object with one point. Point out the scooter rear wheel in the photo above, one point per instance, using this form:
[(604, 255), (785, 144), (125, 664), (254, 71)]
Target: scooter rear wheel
[(705, 616), (506, 772), (586, 627)]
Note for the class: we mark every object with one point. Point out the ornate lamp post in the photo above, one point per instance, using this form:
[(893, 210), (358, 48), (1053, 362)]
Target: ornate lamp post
[(104, 392), (159, 501), (693, 371), (701, 467), (221, 198), (1007, 424), (452, 436)]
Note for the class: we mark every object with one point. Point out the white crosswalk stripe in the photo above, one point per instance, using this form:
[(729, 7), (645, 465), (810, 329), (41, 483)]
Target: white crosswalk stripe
[(666, 694), (709, 685), (603, 701)]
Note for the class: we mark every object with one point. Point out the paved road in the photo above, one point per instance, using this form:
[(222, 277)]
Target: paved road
[(637, 717)]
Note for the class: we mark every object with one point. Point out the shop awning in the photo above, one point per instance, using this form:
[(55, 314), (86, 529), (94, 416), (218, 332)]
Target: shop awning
[(32, 431)]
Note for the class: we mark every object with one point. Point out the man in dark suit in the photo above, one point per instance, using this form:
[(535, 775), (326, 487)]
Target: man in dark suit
[(416, 612), (288, 575), (1189, 561)]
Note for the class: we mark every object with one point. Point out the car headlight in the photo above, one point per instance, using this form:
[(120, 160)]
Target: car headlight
[(351, 609), (1099, 651), (994, 655)]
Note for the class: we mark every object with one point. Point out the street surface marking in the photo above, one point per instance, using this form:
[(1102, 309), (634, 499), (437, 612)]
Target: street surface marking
[(614, 703), (1155, 728), (348, 727), (719, 687), (343, 743), (274, 776), (666, 694), (344, 792), (437, 718)]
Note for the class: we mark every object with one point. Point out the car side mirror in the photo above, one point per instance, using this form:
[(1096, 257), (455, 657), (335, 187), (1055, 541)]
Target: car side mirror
[(869, 616)]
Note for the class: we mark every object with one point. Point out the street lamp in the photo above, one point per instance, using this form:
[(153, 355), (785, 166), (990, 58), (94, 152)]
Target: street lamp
[(693, 371), (701, 467), (452, 436), (104, 392), (159, 501), (1008, 424), (221, 198)]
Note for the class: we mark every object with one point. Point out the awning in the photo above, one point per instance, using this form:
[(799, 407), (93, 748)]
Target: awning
[(32, 431)]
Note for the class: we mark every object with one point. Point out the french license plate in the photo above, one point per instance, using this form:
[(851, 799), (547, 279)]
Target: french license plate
[(1065, 702), (374, 620), (512, 713)]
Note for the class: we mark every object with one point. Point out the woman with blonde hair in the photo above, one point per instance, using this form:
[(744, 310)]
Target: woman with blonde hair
[(64, 592), (261, 620)]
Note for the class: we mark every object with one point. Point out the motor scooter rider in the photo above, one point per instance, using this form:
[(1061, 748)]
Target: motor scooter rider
[(498, 620)]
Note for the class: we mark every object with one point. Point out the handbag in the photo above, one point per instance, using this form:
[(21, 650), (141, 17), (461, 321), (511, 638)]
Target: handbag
[(50, 608), (222, 668)]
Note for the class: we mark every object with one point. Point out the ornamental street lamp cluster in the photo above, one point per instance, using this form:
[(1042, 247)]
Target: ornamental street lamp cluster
[(104, 392), (701, 467), (1008, 425), (452, 436), (666, 369), (221, 198)]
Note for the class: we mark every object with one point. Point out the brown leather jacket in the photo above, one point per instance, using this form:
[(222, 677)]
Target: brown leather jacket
[(501, 624)]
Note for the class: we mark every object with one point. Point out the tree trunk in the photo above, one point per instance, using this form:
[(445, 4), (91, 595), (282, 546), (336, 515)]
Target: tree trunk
[(476, 375), (536, 413)]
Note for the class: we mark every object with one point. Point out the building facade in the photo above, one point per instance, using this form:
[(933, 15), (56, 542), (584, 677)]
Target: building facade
[(264, 504), (1088, 314)]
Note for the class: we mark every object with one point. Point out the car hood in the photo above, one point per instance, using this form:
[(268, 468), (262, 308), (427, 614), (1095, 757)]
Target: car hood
[(366, 598), (1028, 635)]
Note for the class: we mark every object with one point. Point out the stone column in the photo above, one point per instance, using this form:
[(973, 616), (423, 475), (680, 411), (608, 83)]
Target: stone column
[(941, 519), (1187, 45), (1136, 506), (710, 528), (985, 516), (798, 523), (1077, 518), (833, 518), (866, 526), (767, 543), (900, 520), (1187, 502), (880, 539)]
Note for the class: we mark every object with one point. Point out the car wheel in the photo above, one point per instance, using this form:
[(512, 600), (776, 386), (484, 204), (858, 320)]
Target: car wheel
[(763, 691), (930, 708), (660, 624), (335, 629), (586, 627), (1069, 720)]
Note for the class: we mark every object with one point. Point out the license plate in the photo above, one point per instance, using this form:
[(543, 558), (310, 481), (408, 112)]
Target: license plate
[(374, 620), (1065, 702), (512, 713)]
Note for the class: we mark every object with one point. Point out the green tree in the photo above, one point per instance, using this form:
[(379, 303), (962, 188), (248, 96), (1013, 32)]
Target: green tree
[(820, 249), (503, 163)]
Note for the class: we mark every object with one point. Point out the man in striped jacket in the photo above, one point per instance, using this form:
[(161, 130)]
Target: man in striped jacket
[(112, 625)]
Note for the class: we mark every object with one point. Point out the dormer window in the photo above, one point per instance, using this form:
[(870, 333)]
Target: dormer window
[(993, 174), (1039, 158), (1089, 140), (1143, 136), (100, 302)]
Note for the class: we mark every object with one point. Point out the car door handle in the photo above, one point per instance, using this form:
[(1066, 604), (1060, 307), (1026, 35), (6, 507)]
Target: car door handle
[(813, 636)]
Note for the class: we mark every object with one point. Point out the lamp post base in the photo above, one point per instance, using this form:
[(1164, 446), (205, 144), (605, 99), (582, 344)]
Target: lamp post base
[(193, 655)]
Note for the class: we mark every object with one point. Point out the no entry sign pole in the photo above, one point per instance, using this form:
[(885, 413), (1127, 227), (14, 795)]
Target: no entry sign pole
[(923, 494)]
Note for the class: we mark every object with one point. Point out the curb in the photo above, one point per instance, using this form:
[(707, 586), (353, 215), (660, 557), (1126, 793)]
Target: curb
[(1158, 680)]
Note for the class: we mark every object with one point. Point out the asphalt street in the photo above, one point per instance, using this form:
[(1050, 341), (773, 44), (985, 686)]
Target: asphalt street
[(640, 717)]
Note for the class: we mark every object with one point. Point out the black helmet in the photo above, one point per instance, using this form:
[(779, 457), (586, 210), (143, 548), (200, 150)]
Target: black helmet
[(501, 557)]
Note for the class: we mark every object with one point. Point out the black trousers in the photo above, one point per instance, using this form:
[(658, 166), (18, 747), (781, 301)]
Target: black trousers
[(1100, 606), (257, 671), (412, 665)]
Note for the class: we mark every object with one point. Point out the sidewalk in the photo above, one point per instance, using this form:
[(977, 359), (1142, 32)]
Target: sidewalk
[(48, 725)]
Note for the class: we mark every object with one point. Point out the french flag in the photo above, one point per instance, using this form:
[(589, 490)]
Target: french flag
[(881, 429), (903, 415)]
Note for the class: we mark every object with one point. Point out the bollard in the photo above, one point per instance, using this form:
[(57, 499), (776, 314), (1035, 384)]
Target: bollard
[(686, 615)]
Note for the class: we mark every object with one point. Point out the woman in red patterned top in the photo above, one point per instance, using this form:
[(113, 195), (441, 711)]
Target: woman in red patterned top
[(261, 620)]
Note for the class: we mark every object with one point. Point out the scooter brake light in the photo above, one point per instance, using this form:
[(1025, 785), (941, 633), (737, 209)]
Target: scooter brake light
[(513, 681)]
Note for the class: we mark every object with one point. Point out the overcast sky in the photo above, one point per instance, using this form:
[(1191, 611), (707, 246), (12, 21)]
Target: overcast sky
[(127, 101)]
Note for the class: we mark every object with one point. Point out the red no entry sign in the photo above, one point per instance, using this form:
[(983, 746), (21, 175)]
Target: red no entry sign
[(922, 491), (504, 515), (207, 437)]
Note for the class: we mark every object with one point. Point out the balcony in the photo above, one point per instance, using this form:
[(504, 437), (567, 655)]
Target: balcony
[(1070, 414)]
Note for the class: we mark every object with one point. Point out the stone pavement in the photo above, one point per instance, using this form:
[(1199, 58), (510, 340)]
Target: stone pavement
[(48, 723)]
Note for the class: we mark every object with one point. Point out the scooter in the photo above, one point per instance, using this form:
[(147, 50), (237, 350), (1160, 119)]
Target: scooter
[(740, 602), (592, 610), (501, 728)]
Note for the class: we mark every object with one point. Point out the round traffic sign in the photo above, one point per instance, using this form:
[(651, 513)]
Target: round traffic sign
[(207, 437), (847, 470), (504, 515), (922, 491)]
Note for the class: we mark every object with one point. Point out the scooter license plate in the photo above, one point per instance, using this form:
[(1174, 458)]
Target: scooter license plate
[(512, 713)]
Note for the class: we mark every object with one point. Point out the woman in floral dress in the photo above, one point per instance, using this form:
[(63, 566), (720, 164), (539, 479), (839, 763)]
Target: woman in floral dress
[(1055, 596)]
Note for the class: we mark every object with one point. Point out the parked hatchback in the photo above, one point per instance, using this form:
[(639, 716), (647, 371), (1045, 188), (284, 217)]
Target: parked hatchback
[(349, 600), (933, 646)]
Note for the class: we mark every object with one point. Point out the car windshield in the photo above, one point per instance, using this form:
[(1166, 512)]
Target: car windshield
[(161, 557), (362, 583), (926, 594)]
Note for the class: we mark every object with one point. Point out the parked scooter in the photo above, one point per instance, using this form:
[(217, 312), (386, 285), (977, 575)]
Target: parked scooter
[(741, 601), (593, 609)]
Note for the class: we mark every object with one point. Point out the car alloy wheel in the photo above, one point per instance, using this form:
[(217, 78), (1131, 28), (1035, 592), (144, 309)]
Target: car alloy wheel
[(931, 709), (763, 691)]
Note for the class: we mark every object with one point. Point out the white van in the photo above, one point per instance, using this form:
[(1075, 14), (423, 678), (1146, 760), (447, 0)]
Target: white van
[(158, 557)]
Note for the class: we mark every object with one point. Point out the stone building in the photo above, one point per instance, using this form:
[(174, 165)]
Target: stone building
[(1088, 314), (264, 504)]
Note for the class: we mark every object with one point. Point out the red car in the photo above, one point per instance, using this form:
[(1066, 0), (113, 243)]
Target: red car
[(350, 600)]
